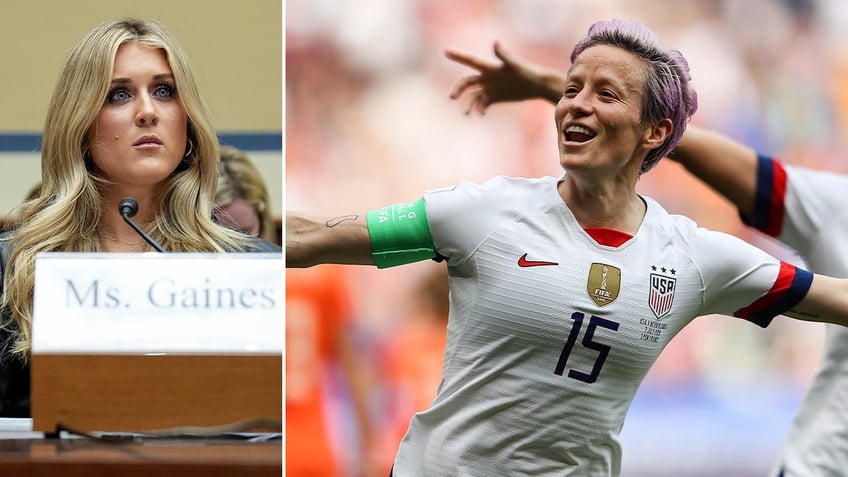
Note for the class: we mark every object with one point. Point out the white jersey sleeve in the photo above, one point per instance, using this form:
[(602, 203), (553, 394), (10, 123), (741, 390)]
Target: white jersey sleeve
[(462, 217), (805, 209), (725, 293)]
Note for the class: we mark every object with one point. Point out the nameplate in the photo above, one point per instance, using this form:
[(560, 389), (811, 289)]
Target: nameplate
[(158, 303)]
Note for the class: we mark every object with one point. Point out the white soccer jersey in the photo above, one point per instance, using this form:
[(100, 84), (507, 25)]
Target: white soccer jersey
[(550, 332), (805, 209)]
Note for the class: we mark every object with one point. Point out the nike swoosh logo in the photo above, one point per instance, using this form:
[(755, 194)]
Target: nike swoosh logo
[(523, 262)]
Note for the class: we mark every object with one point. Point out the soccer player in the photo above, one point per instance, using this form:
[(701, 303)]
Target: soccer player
[(798, 206), (564, 290), (804, 209)]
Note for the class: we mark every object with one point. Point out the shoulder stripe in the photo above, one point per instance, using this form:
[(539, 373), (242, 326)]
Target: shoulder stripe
[(789, 289), (769, 202)]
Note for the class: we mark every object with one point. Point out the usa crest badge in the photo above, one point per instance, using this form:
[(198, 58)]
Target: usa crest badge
[(661, 294), (604, 283)]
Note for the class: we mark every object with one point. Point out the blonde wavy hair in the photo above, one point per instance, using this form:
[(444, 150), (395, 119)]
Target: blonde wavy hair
[(240, 179), (65, 215)]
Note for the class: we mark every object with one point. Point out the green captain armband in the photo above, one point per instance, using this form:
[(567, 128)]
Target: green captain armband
[(400, 234)]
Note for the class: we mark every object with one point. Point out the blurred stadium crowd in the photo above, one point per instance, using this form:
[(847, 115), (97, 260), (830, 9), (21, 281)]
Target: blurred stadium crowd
[(369, 122)]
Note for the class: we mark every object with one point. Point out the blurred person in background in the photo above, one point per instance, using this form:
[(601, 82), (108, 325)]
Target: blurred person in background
[(524, 391), (804, 209), (322, 360), (241, 200), (801, 207)]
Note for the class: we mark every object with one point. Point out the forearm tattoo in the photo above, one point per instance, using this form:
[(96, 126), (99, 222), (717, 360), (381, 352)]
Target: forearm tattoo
[(338, 220)]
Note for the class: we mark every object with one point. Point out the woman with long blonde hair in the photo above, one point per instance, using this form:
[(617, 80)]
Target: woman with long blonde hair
[(125, 120)]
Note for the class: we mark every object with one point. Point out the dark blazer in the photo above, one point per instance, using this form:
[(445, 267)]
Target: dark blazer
[(14, 372)]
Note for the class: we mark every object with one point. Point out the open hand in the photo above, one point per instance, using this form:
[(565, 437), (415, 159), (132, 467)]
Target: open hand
[(509, 79)]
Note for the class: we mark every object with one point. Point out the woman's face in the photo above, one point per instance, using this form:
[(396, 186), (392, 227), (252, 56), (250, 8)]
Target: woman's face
[(139, 135), (598, 118)]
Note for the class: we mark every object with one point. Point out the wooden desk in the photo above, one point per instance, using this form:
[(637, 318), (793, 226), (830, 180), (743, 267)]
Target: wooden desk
[(151, 458), (141, 393)]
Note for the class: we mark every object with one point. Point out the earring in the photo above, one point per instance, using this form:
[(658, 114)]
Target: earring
[(190, 149), (185, 164)]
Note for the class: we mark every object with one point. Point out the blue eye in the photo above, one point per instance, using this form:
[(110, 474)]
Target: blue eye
[(118, 95), (164, 91)]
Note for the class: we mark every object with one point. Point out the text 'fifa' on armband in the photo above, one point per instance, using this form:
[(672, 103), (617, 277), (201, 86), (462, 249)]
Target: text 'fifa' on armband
[(400, 234)]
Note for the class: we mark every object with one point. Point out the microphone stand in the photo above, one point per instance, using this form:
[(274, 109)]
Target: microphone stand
[(128, 207)]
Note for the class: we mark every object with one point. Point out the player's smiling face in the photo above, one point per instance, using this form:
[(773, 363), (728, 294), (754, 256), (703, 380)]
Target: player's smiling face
[(598, 116)]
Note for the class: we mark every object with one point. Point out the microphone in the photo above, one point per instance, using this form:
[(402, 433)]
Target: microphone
[(128, 207)]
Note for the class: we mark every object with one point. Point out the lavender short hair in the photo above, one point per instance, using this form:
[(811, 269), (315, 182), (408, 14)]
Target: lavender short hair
[(667, 94)]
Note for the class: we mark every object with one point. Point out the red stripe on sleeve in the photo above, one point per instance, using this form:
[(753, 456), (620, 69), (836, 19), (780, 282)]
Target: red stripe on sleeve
[(778, 200), (781, 285)]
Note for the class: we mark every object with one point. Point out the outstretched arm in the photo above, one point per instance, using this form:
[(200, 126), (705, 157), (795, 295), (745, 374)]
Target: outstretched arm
[(314, 240), (509, 78), (826, 301), (725, 165)]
